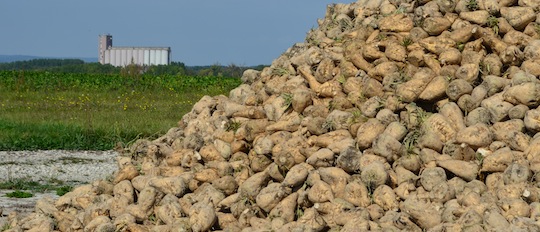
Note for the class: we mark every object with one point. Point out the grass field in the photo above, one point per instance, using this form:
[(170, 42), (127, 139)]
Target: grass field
[(42, 110)]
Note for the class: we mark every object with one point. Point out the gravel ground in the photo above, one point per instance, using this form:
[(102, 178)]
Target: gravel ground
[(51, 166)]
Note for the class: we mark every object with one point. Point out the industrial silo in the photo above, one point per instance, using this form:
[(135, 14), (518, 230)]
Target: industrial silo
[(122, 56)]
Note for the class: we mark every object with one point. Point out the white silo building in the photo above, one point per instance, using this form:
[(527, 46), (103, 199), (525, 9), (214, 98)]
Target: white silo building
[(123, 56)]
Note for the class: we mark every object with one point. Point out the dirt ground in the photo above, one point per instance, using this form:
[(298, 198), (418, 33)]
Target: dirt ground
[(66, 167)]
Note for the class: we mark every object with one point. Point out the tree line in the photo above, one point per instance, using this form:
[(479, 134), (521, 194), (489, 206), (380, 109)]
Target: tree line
[(79, 66)]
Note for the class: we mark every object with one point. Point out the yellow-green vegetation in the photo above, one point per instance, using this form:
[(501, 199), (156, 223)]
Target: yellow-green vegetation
[(19, 194), (61, 191), (44, 110), (28, 185), (493, 23), (5, 227)]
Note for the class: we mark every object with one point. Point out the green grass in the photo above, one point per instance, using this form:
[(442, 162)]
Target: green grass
[(24, 188), (42, 110), (21, 184), (61, 191), (5, 227), (19, 194), (33, 186)]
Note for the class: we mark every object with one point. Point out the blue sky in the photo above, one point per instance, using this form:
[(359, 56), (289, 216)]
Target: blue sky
[(199, 32)]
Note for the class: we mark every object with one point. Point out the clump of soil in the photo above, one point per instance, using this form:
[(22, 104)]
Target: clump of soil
[(393, 115)]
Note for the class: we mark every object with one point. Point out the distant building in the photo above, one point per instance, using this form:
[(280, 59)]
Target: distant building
[(123, 56)]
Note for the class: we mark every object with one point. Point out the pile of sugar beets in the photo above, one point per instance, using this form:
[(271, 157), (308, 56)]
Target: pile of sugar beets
[(393, 115)]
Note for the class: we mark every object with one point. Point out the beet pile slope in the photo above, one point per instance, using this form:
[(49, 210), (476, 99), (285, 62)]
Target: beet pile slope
[(393, 115)]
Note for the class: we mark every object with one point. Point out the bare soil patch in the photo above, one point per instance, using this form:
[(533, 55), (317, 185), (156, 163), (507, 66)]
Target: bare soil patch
[(51, 167)]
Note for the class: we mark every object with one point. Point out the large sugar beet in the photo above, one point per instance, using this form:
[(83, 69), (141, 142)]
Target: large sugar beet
[(466, 170), (426, 213), (526, 93), (397, 22), (533, 154), (477, 135), (169, 185), (368, 132), (270, 196), (435, 89), (409, 91), (203, 217), (440, 126), (252, 186)]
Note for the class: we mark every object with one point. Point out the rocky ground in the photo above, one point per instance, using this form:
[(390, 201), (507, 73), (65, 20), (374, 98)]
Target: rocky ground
[(50, 167)]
